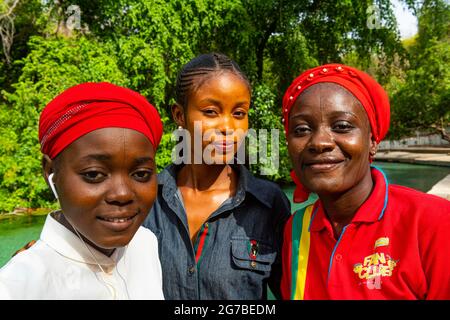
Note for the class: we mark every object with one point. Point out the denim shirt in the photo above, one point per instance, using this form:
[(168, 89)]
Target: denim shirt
[(238, 249)]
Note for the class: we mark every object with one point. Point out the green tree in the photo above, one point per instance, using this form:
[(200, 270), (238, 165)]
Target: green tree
[(22, 20), (434, 25), (263, 115), (142, 44), (422, 100)]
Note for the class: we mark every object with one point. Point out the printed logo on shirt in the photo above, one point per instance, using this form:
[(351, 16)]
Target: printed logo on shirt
[(376, 266), (381, 242)]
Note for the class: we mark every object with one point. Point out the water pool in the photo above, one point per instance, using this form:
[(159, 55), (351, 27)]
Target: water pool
[(15, 232)]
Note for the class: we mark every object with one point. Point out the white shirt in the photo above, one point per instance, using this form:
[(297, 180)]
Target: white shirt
[(59, 266)]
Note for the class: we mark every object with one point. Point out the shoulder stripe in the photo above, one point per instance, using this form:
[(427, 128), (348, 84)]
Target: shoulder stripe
[(300, 251)]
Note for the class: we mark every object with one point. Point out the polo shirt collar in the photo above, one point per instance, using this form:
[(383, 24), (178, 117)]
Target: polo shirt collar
[(371, 210), (67, 244)]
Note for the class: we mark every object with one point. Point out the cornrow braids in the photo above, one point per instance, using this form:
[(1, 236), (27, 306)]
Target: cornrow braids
[(195, 72)]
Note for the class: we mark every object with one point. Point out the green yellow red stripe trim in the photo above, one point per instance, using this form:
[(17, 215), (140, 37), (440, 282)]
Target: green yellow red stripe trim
[(201, 242), (300, 251)]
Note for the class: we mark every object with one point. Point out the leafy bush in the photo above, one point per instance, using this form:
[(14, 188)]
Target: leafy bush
[(263, 115), (142, 44)]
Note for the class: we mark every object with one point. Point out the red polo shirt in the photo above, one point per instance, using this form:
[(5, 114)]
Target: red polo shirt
[(396, 247)]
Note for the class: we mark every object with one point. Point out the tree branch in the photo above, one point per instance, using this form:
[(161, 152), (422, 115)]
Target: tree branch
[(444, 134), (7, 30), (10, 10), (442, 131)]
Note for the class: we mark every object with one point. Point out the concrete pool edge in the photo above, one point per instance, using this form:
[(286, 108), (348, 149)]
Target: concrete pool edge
[(429, 158), (426, 156), (442, 188)]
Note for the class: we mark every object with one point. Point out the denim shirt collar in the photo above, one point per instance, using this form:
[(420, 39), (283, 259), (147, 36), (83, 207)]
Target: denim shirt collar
[(247, 184)]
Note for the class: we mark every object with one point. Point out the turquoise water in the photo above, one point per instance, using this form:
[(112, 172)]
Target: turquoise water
[(17, 231), (416, 176)]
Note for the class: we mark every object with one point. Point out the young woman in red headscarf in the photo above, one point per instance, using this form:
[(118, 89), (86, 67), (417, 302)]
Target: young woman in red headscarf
[(98, 142), (363, 238)]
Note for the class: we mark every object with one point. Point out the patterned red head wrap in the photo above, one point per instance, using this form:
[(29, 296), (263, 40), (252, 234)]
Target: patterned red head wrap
[(370, 94), (90, 106)]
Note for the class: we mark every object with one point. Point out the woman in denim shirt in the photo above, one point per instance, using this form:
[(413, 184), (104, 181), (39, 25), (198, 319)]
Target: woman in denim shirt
[(219, 228)]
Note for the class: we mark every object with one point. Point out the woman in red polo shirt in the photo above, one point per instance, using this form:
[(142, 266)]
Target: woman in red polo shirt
[(364, 238)]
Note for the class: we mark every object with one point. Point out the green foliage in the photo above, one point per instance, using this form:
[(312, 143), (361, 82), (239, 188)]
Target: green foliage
[(262, 115), (422, 99), (290, 55), (434, 23), (142, 44), (145, 65), (28, 20), (164, 152)]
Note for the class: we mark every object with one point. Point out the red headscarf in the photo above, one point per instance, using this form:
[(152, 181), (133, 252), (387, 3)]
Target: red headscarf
[(370, 94), (90, 106)]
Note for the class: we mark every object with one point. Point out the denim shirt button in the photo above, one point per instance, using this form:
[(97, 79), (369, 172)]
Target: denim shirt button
[(253, 264), (191, 270)]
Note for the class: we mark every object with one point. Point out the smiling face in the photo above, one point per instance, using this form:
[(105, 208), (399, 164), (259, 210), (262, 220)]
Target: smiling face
[(221, 104), (329, 139), (106, 183)]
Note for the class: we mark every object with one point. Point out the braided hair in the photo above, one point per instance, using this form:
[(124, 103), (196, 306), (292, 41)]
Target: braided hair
[(198, 70)]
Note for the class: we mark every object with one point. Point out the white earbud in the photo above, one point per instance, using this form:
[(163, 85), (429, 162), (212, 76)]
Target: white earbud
[(52, 185)]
